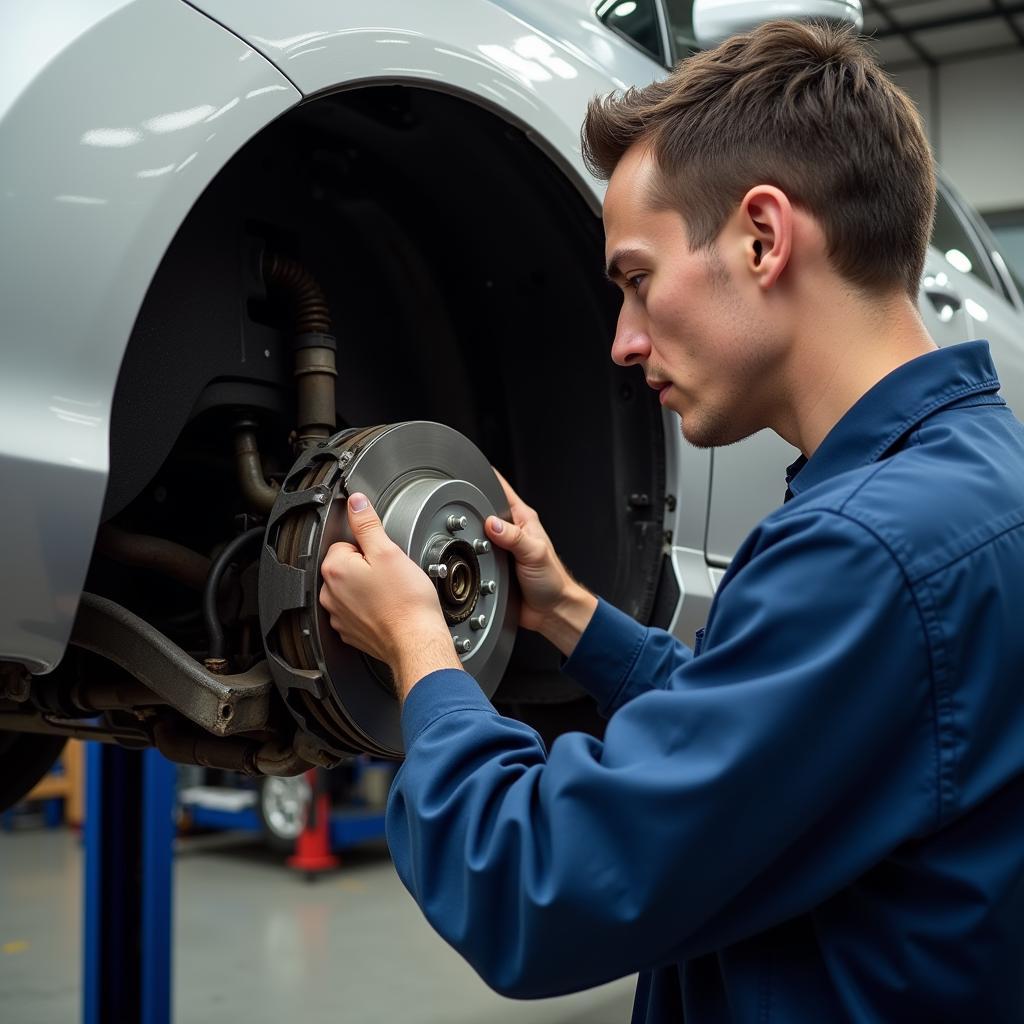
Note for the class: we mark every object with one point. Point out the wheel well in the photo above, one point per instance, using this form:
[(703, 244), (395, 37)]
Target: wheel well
[(463, 272)]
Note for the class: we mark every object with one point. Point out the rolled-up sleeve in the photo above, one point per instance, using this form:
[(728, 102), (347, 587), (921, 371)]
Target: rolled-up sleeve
[(732, 790)]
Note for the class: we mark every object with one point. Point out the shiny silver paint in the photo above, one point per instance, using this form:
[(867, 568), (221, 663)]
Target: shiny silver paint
[(536, 65), (114, 116)]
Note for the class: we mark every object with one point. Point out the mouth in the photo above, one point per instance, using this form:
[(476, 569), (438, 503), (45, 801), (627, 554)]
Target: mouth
[(661, 386)]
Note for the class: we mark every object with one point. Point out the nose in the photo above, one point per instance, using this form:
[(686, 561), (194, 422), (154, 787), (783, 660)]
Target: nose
[(631, 344)]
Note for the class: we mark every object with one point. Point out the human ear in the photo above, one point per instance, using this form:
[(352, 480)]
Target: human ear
[(766, 217)]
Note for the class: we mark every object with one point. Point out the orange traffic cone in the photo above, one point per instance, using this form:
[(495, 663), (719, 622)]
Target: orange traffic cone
[(313, 847)]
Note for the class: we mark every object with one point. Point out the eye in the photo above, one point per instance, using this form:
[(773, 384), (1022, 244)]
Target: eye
[(635, 281)]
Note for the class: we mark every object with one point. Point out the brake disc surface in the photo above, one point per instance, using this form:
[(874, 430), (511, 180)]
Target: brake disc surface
[(432, 489)]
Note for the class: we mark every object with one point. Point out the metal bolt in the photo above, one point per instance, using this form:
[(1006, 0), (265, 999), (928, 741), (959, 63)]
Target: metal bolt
[(457, 523), (437, 571), (478, 621), (481, 547), (319, 497), (488, 586), (462, 645)]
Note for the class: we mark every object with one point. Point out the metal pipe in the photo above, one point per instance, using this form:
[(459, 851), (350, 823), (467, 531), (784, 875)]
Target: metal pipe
[(313, 345), (315, 372), (274, 758), (216, 657), (93, 695), (259, 494), (164, 556), (191, 746)]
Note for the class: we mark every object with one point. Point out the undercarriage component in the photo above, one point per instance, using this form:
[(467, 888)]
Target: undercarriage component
[(216, 656), (259, 495), (156, 553), (313, 346), (433, 489), (221, 704)]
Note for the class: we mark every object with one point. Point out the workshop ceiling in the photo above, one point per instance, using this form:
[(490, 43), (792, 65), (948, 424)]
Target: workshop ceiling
[(932, 32)]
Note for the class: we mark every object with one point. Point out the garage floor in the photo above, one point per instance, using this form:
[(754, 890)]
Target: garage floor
[(257, 945)]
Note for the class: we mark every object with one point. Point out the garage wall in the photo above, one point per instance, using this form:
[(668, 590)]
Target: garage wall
[(974, 110)]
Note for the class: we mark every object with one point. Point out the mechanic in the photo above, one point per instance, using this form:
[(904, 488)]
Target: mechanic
[(817, 814)]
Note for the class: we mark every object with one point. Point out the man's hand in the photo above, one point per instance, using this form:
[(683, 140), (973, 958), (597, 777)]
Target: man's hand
[(554, 604), (383, 603)]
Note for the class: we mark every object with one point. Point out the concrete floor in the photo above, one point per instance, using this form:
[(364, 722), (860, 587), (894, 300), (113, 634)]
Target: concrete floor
[(255, 944)]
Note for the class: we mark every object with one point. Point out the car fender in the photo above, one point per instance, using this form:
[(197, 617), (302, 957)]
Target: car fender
[(113, 119), (538, 74)]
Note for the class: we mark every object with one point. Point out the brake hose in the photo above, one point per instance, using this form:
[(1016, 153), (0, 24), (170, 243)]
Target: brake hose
[(216, 655)]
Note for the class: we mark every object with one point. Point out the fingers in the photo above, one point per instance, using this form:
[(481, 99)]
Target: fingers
[(514, 539), (366, 525)]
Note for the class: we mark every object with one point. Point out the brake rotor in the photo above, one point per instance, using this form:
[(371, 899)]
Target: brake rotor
[(432, 489)]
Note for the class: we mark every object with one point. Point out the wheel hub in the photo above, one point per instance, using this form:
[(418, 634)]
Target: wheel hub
[(432, 489)]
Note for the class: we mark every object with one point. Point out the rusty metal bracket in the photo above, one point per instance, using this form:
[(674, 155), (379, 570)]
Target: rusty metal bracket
[(221, 704)]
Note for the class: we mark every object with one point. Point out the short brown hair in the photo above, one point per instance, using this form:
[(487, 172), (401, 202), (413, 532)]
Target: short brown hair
[(804, 107)]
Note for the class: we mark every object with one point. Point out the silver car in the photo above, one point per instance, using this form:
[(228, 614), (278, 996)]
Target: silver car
[(256, 252)]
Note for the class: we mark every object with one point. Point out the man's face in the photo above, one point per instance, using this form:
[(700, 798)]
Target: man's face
[(689, 318)]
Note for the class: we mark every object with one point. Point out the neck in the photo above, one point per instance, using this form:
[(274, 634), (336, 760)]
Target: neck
[(842, 348)]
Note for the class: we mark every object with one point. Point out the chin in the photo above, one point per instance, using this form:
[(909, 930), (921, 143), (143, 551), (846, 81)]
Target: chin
[(710, 431)]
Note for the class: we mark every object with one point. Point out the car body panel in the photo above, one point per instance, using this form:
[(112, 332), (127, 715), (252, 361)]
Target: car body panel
[(112, 126), (531, 75), (100, 186)]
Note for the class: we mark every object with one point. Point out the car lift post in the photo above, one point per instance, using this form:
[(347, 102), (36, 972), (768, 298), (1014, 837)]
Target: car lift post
[(129, 842)]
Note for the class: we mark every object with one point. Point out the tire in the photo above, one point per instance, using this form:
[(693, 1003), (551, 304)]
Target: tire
[(24, 759), (282, 807)]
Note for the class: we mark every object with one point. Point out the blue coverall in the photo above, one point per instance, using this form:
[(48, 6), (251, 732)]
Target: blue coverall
[(818, 815)]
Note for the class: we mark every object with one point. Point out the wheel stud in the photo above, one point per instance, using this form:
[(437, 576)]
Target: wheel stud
[(457, 523), (478, 621), (464, 645), (437, 571), (481, 547), (488, 586)]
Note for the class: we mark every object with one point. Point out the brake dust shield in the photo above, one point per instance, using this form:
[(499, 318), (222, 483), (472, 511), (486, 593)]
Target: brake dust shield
[(432, 489)]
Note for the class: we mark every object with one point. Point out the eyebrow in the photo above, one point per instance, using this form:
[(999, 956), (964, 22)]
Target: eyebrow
[(613, 271)]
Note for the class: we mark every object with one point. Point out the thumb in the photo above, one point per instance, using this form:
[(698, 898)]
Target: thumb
[(511, 538), (366, 524)]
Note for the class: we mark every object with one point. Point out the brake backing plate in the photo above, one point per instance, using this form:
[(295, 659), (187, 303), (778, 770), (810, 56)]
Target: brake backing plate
[(432, 489)]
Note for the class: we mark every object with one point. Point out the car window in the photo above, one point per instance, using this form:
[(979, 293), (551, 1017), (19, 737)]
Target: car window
[(638, 21), (1002, 235), (951, 238), (680, 28)]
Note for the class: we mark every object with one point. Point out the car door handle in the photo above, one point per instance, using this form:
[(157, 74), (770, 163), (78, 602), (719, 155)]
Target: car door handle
[(942, 298)]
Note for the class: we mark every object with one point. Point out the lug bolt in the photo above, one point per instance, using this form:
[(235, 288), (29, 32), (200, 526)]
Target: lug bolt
[(462, 645), (437, 571), (481, 547), (488, 586), (457, 523), (478, 621)]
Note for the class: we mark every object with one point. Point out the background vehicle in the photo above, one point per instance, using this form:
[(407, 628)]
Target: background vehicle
[(421, 188)]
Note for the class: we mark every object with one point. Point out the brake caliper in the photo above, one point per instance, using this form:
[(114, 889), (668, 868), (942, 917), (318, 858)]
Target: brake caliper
[(432, 489)]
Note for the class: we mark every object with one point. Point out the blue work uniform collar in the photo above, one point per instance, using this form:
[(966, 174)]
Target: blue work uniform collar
[(896, 404)]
